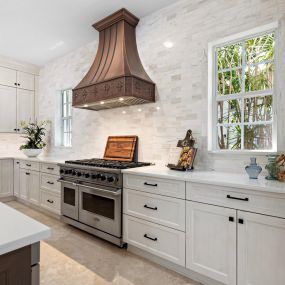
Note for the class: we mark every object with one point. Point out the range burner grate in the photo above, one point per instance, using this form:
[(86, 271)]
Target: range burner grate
[(115, 164)]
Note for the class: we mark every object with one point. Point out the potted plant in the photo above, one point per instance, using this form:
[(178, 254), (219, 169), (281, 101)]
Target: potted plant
[(34, 133)]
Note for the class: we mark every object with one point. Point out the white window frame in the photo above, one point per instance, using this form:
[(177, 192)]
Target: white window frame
[(65, 118), (212, 75)]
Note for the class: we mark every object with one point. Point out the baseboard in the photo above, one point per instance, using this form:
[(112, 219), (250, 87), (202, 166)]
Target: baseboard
[(7, 199), (174, 267)]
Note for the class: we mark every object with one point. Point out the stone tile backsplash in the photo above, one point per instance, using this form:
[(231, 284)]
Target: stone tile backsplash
[(180, 74)]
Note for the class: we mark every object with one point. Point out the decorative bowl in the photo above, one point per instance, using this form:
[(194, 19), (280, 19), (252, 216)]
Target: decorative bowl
[(32, 152)]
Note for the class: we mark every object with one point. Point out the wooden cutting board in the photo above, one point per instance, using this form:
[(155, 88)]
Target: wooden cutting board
[(121, 148)]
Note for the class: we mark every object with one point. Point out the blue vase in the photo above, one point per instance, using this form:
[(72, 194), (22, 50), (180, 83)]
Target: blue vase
[(253, 170)]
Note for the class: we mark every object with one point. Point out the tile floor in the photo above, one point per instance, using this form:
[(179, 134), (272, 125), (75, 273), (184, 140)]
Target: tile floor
[(72, 257)]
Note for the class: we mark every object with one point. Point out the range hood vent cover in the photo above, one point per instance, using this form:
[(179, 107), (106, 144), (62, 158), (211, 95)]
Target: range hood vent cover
[(116, 77)]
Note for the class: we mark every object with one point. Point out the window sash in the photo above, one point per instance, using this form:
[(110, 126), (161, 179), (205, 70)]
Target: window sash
[(66, 117), (243, 94)]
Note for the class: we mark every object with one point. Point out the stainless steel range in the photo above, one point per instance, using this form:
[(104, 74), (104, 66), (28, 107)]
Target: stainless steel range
[(91, 196)]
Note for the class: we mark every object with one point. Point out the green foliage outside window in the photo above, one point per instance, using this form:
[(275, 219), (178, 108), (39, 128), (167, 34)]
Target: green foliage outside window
[(245, 76)]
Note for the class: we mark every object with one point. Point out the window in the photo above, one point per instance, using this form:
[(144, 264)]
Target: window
[(66, 117), (242, 93)]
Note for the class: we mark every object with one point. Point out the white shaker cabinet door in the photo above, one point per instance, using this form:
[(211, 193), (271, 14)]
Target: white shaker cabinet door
[(24, 183), (211, 241), (8, 110), (25, 106), (8, 77), (25, 81), (16, 178), (34, 187), (261, 249)]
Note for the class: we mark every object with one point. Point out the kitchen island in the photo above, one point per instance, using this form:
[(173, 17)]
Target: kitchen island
[(19, 247)]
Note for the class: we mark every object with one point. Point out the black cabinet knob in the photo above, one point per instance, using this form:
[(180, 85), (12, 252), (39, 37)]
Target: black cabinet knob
[(240, 221), (111, 179)]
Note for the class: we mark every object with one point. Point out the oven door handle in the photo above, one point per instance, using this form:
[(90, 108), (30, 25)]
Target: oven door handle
[(117, 193), (68, 182)]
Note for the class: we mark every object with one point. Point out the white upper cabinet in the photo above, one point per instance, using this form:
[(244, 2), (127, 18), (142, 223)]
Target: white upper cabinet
[(17, 99), (8, 77), (261, 250), (8, 109), (25, 81), (25, 106), (211, 241)]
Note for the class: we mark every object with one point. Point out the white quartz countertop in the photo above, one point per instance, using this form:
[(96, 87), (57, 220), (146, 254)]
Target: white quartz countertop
[(234, 180), (18, 230)]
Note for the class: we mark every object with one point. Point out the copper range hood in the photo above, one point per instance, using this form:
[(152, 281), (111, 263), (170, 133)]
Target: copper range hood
[(117, 77)]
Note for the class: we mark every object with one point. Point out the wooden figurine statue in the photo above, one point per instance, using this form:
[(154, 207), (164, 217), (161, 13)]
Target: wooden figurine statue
[(187, 155)]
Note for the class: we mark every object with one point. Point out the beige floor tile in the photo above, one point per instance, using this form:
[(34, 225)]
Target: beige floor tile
[(73, 257)]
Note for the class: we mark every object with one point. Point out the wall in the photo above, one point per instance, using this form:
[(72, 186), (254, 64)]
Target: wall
[(180, 74)]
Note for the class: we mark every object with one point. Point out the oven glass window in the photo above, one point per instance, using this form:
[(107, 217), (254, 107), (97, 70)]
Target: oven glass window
[(98, 205), (69, 196)]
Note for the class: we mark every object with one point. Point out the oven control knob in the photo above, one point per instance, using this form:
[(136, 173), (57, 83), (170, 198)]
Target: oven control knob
[(93, 176), (79, 174), (87, 175), (103, 177), (73, 173), (111, 179), (61, 171), (98, 176), (66, 172)]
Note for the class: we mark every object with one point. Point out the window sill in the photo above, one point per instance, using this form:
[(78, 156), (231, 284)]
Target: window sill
[(242, 152), (62, 147)]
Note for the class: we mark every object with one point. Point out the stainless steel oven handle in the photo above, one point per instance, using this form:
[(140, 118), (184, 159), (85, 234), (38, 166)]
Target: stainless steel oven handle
[(117, 193), (68, 182)]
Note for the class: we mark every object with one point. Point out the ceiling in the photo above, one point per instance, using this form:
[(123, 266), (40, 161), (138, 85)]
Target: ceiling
[(37, 31)]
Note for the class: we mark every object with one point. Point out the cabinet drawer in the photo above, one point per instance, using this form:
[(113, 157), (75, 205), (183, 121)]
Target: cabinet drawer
[(158, 240), (31, 165), (258, 202), (50, 201), (167, 187), (50, 168), (162, 210), (49, 182)]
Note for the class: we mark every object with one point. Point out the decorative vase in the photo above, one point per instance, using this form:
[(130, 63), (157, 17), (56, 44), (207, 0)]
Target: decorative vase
[(32, 152), (253, 170), (272, 167)]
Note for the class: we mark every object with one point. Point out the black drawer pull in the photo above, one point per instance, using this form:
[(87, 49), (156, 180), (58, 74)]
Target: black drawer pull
[(240, 221), (151, 208), (50, 168), (17, 162), (28, 165), (27, 173), (51, 183), (231, 219), (236, 198), (50, 201), (149, 184), (153, 239)]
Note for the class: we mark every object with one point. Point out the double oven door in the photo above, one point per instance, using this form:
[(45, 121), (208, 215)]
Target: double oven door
[(99, 207)]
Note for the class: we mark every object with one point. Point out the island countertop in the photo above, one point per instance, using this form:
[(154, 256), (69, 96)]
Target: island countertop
[(18, 230)]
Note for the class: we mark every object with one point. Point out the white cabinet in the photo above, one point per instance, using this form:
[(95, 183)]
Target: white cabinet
[(211, 241), (17, 99), (25, 106), (16, 178), (8, 76), (261, 250), (158, 240), (8, 109), (6, 177), (30, 185), (25, 80)]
